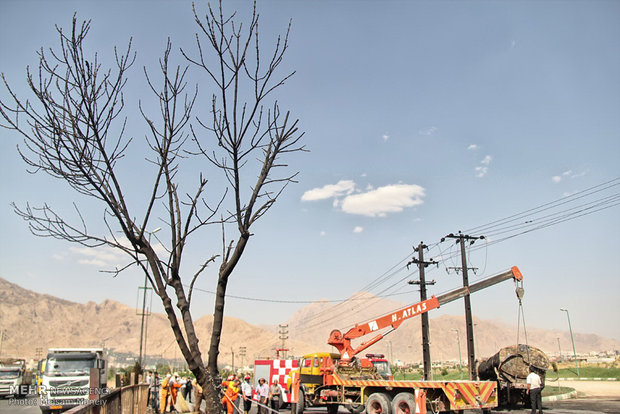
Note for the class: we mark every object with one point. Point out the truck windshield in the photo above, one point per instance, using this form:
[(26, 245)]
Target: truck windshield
[(383, 367), (9, 374), (59, 366)]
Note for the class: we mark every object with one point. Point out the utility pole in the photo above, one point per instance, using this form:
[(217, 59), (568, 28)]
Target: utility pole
[(2, 338), (458, 342), (283, 337), (242, 350), (232, 351), (471, 353), (146, 325), (144, 314), (426, 352), (572, 339)]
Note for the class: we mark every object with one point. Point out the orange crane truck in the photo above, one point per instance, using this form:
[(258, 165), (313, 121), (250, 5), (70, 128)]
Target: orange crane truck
[(334, 379)]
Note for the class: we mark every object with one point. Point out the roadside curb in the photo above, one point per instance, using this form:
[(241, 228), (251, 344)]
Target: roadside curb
[(588, 379), (572, 394)]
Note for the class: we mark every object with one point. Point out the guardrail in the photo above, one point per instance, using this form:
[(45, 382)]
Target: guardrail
[(130, 399)]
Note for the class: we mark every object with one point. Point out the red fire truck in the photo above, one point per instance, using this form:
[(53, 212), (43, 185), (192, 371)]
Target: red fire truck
[(275, 369)]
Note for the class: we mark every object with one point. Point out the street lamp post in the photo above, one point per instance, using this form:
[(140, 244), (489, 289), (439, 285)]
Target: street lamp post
[(572, 339), (144, 304), (458, 341)]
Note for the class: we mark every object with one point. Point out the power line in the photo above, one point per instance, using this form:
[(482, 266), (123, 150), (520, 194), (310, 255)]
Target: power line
[(493, 228), (376, 282), (289, 301), (484, 228), (537, 223)]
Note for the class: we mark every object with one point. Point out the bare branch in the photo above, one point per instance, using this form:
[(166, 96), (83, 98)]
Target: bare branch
[(202, 268)]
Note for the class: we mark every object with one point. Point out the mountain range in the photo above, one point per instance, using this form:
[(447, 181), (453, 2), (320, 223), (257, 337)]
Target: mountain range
[(33, 322)]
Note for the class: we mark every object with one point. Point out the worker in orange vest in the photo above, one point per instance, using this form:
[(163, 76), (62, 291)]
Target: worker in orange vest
[(230, 394), (165, 393), (175, 384)]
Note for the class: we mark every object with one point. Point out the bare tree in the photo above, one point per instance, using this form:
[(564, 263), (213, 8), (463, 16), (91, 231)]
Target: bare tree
[(74, 130)]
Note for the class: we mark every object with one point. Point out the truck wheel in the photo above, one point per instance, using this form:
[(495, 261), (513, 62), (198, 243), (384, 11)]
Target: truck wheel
[(378, 403), (332, 408), (354, 408), (301, 402), (403, 403)]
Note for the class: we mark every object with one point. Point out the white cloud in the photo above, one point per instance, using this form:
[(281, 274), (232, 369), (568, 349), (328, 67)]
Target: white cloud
[(481, 171), (101, 257), (385, 137), (388, 199), (322, 233), (339, 189), (372, 201), (428, 131), (567, 174), (483, 168), (472, 147), (94, 262), (358, 229), (110, 257)]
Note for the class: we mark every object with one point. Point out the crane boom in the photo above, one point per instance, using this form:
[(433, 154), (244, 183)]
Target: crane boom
[(394, 319)]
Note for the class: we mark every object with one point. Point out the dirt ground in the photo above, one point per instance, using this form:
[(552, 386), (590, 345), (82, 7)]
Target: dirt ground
[(594, 388)]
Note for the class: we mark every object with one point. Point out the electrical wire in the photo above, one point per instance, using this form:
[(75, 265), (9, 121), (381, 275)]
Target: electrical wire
[(569, 198), (537, 223), (254, 299), (530, 223)]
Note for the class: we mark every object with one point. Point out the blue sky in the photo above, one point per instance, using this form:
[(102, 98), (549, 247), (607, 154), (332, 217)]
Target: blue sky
[(422, 119)]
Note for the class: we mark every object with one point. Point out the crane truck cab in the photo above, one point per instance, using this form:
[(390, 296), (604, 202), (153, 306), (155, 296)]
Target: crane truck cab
[(315, 371), (316, 375), (381, 364), (313, 367)]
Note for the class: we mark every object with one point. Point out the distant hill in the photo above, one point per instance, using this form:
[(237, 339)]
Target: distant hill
[(318, 319), (35, 320)]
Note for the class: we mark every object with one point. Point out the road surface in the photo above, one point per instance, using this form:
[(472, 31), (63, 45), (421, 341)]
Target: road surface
[(28, 405), (594, 388), (592, 405)]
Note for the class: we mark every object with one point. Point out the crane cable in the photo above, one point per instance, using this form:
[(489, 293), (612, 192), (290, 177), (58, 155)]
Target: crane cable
[(521, 315)]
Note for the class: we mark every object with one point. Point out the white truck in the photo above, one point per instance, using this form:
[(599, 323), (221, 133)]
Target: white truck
[(15, 379), (66, 379)]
